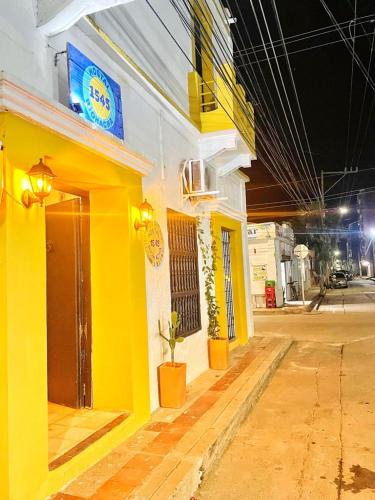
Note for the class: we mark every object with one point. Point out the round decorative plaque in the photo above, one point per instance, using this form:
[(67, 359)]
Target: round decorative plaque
[(154, 244)]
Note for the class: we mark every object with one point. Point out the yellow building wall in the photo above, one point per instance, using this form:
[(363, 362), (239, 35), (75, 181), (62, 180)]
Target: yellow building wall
[(25, 336), (232, 111), (4, 421), (219, 222), (120, 375), (117, 282)]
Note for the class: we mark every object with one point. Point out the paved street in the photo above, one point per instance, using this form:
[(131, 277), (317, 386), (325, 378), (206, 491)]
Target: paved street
[(312, 433), (359, 297)]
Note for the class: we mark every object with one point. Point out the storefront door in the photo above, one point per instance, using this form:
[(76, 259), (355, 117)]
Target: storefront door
[(68, 303)]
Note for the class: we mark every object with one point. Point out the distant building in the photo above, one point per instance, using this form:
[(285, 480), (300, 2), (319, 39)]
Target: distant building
[(271, 258), (366, 221)]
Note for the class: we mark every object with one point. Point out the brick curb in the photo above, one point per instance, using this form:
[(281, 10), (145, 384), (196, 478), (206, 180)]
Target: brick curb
[(181, 473)]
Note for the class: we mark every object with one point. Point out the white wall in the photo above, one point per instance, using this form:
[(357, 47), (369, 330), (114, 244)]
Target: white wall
[(136, 29), (268, 243), (228, 187), (153, 128), (24, 52), (261, 253)]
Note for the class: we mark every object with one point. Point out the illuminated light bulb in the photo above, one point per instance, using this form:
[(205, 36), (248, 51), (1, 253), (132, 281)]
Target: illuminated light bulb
[(40, 184)]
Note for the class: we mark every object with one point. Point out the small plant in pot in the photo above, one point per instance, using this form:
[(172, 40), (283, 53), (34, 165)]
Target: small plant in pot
[(172, 375), (218, 346)]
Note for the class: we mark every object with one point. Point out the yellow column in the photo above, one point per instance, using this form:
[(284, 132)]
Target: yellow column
[(4, 449), (119, 314), (23, 386)]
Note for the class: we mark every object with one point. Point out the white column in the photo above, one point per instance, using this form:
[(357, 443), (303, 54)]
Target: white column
[(247, 282)]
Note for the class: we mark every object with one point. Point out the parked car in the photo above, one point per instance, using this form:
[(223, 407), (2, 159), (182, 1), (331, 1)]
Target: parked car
[(338, 280), (348, 274)]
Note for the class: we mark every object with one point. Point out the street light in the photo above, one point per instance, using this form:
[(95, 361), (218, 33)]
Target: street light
[(343, 210), (337, 252), (371, 232)]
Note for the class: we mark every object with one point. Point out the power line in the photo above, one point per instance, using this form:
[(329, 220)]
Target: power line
[(263, 101), (303, 180), (355, 56), (294, 89), (281, 127), (263, 138), (278, 91), (359, 127), (258, 128), (304, 164), (268, 148), (273, 127), (363, 100), (302, 36), (351, 89), (280, 203), (312, 47)]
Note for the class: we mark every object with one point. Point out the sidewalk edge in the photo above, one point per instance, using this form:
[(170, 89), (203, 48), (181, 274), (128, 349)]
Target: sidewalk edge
[(187, 476)]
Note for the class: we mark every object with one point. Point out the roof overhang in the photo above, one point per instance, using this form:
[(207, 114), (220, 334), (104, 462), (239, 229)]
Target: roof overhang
[(225, 150), (55, 16)]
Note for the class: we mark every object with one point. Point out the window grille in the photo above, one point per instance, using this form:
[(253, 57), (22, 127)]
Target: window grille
[(184, 276), (228, 284)]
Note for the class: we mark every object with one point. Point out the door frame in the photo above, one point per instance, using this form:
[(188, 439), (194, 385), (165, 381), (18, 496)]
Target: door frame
[(229, 290), (236, 229), (84, 294)]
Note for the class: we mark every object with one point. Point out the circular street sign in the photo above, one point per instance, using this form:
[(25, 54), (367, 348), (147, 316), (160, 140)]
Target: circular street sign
[(301, 251), (154, 244)]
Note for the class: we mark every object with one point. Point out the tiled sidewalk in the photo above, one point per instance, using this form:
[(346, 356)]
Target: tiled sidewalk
[(69, 429), (177, 444)]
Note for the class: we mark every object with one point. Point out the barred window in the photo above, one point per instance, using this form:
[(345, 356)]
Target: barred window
[(183, 263)]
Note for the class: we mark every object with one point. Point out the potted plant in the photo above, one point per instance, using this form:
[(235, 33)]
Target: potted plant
[(172, 375), (218, 346)]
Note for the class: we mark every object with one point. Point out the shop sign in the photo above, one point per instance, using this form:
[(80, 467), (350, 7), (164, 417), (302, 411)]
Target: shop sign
[(251, 232), (154, 244), (93, 94), (260, 272), (301, 251)]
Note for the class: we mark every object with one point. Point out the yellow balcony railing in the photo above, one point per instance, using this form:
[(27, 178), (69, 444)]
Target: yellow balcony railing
[(208, 101), (217, 105)]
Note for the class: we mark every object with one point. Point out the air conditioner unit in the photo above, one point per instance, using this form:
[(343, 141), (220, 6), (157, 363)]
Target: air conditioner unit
[(198, 179)]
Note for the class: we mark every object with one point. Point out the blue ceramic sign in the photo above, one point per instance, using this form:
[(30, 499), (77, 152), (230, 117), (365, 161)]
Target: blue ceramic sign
[(93, 94)]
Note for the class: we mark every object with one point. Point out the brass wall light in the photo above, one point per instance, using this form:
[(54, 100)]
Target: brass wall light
[(146, 215), (40, 177)]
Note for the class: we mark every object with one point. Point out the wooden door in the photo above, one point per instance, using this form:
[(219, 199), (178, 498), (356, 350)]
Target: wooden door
[(68, 333)]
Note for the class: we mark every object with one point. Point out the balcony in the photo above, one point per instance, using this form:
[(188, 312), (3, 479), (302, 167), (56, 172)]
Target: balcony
[(214, 107)]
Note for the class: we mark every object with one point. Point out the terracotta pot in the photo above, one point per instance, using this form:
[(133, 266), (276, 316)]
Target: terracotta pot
[(218, 353), (172, 385)]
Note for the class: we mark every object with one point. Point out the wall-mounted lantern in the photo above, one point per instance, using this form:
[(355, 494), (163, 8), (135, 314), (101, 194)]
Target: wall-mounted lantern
[(40, 176), (146, 215)]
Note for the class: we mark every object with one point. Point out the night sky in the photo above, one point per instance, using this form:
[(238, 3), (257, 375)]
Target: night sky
[(322, 77)]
